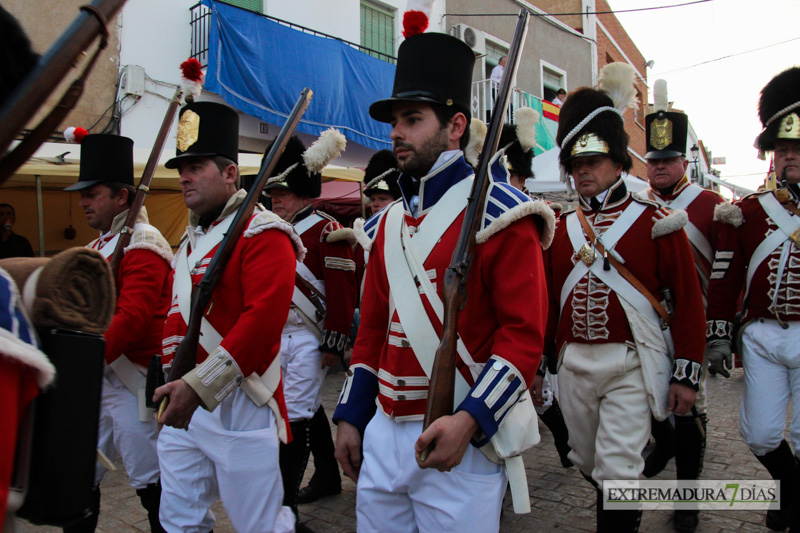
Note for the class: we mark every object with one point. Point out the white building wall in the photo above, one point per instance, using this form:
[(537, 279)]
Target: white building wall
[(156, 35)]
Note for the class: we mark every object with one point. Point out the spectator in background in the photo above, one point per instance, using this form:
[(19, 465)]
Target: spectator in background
[(497, 71), (11, 244), (561, 97)]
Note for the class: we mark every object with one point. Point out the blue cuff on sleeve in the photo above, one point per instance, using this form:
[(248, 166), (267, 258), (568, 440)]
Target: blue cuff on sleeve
[(357, 400), (496, 390)]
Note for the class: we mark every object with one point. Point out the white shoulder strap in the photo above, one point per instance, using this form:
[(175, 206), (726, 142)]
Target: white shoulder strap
[(609, 239), (409, 306), (686, 197), (787, 224), (308, 222), (108, 248)]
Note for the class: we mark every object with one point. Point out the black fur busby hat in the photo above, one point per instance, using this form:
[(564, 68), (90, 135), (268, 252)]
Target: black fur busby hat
[(104, 158), (518, 140), (779, 109), (666, 130), (299, 169), (431, 67), (590, 121), (381, 174), (206, 129)]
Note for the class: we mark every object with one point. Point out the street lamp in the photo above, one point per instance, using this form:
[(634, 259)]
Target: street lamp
[(695, 156)]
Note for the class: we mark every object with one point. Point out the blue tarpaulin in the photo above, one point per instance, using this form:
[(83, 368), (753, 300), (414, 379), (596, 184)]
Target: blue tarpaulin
[(260, 67)]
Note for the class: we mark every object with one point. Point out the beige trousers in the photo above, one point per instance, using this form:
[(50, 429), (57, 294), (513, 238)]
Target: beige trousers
[(605, 407)]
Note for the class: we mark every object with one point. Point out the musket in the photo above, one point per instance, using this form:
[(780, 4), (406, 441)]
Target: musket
[(454, 291), (144, 184), (186, 355), (51, 69)]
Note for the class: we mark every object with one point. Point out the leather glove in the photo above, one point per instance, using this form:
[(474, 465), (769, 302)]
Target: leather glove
[(720, 358)]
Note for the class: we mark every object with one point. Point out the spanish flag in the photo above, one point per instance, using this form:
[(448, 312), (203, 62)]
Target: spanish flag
[(550, 110)]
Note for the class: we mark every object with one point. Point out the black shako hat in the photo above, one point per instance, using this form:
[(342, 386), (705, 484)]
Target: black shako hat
[(381, 174), (104, 158), (667, 132), (206, 129), (431, 67)]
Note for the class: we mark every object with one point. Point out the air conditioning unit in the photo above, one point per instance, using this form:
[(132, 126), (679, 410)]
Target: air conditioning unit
[(475, 39)]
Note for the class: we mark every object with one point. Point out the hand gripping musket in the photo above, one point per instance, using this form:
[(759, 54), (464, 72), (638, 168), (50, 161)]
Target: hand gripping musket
[(53, 67), (442, 385), (186, 354), (144, 184)]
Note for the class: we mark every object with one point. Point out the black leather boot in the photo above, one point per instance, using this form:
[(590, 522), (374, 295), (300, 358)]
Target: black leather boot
[(293, 458), (690, 448), (89, 523), (782, 466), (626, 521), (554, 420), (150, 497), (326, 480), (664, 435)]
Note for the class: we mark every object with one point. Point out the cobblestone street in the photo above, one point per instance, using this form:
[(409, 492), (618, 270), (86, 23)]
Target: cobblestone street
[(561, 499)]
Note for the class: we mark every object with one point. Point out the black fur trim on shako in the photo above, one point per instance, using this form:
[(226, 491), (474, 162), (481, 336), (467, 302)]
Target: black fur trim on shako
[(781, 92), (519, 162), (291, 172), (381, 174), (607, 125)]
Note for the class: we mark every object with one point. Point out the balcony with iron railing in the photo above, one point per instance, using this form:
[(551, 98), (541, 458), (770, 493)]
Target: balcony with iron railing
[(200, 19), (483, 91)]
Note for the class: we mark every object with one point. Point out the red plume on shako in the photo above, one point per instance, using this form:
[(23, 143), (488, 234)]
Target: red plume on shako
[(192, 72), (75, 135), (415, 19)]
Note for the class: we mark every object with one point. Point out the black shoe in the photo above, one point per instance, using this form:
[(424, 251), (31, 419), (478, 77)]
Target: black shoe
[(311, 493), (686, 521), (300, 527)]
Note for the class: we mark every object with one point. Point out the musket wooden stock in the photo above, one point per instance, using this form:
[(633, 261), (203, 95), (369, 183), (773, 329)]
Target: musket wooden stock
[(454, 291), (144, 184), (186, 355), (51, 69)]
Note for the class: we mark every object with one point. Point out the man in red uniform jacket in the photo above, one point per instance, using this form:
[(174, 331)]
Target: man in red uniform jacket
[(501, 325), (667, 133), (106, 188), (613, 361), (315, 335), (230, 449), (759, 253)]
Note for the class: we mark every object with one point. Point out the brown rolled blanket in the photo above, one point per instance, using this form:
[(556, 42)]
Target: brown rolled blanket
[(74, 289)]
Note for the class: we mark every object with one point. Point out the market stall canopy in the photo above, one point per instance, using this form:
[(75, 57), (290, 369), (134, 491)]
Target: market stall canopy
[(58, 165)]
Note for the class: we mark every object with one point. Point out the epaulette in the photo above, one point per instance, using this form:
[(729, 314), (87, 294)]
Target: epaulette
[(506, 204), (729, 214), (146, 237), (666, 221), (341, 234), (365, 230), (265, 220)]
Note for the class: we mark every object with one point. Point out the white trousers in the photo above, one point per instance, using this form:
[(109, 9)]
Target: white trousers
[(301, 363), (771, 360), (605, 407), (397, 496), (120, 430), (232, 454)]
